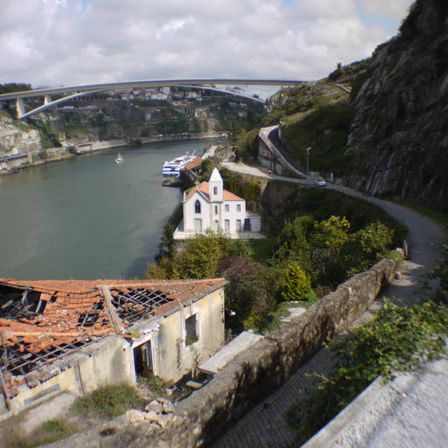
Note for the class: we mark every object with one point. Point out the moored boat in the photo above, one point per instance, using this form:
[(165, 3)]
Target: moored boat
[(174, 167), (119, 159)]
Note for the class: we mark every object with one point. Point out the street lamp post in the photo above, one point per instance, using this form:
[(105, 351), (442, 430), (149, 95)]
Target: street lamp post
[(308, 162)]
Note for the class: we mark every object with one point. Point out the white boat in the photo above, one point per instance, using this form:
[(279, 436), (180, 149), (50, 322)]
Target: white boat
[(119, 159), (175, 166)]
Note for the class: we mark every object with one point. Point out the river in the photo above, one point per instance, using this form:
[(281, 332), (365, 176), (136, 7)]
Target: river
[(88, 218)]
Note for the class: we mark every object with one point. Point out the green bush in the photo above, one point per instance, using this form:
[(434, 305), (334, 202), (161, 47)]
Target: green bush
[(198, 257), (246, 144), (327, 251), (108, 401), (367, 245), (294, 283)]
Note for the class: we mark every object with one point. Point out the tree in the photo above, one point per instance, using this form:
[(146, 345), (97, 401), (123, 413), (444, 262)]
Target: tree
[(366, 246), (293, 242), (375, 239), (294, 283), (245, 143), (249, 293), (198, 257), (328, 240)]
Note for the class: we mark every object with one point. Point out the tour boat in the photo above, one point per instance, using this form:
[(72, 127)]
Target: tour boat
[(119, 159), (175, 166)]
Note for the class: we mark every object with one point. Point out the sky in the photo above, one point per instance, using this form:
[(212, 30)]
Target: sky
[(69, 42)]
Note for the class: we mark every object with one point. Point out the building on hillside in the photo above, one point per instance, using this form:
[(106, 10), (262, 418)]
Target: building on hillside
[(208, 207), (78, 335)]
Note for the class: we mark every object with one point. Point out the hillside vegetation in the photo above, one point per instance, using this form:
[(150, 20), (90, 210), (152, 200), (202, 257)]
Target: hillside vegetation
[(318, 115)]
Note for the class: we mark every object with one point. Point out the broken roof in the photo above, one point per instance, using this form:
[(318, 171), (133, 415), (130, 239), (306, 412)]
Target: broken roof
[(203, 187), (44, 319)]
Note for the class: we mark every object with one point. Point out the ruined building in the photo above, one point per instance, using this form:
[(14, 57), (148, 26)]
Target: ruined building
[(78, 335)]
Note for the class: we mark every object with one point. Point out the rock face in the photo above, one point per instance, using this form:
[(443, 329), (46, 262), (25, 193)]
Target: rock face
[(17, 137), (399, 137)]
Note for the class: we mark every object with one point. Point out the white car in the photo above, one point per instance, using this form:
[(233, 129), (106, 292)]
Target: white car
[(320, 182)]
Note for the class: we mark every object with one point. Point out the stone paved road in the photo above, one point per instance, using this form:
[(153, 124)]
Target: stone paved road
[(265, 425)]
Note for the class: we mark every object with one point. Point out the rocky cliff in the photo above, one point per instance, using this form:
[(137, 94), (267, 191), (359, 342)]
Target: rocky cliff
[(398, 142), (17, 137)]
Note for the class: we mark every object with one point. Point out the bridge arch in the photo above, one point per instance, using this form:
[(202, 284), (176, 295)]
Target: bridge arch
[(77, 91)]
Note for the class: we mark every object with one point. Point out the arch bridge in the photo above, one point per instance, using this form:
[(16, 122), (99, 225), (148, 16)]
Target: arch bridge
[(72, 92)]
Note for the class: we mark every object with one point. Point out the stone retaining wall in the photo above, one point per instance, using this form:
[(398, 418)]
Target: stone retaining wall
[(256, 372)]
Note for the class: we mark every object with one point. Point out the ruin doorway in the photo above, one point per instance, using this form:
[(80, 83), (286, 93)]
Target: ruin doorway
[(143, 364)]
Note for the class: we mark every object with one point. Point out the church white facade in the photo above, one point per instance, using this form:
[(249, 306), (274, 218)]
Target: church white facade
[(208, 207)]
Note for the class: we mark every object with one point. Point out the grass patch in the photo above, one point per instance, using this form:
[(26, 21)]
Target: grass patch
[(393, 255), (326, 130), (154, 383), (108, 401), (49, 432), (283, 310), (262, 249)]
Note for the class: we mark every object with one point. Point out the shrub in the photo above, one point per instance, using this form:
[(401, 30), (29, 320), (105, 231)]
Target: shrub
[(294, 283), (198, 258), (367, 245), (293, 242), (108, 401)]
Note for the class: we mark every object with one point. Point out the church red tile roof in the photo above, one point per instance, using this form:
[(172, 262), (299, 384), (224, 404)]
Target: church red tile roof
[(203, 187)]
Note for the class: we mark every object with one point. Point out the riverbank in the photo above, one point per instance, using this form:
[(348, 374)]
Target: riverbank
[(50, 155)]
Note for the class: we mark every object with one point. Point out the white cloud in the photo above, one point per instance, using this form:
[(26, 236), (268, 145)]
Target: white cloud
[(56, 42), (393, 9), (174, 25)]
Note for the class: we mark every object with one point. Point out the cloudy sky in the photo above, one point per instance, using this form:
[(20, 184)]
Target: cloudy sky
[(66, 42)]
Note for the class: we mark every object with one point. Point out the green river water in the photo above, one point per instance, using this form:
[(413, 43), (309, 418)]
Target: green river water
[(87, 218)]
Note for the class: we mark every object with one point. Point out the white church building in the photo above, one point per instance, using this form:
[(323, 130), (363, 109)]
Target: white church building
[(208, 207)]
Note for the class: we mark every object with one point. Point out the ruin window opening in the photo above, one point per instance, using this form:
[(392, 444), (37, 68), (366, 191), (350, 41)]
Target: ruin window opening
[(191, 330), (143, 363)]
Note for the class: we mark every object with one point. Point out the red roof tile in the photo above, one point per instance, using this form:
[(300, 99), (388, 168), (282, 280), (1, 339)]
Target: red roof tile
[(203, 187), (72, 300)]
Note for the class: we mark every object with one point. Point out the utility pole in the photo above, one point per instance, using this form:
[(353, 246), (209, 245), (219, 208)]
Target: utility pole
[(308, 162)]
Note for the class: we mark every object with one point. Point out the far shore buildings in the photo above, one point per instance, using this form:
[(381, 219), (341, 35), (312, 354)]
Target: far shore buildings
[(78, 335), (207, 207)]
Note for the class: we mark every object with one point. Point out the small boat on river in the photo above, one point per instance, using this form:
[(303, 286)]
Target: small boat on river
[(119, 159)]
